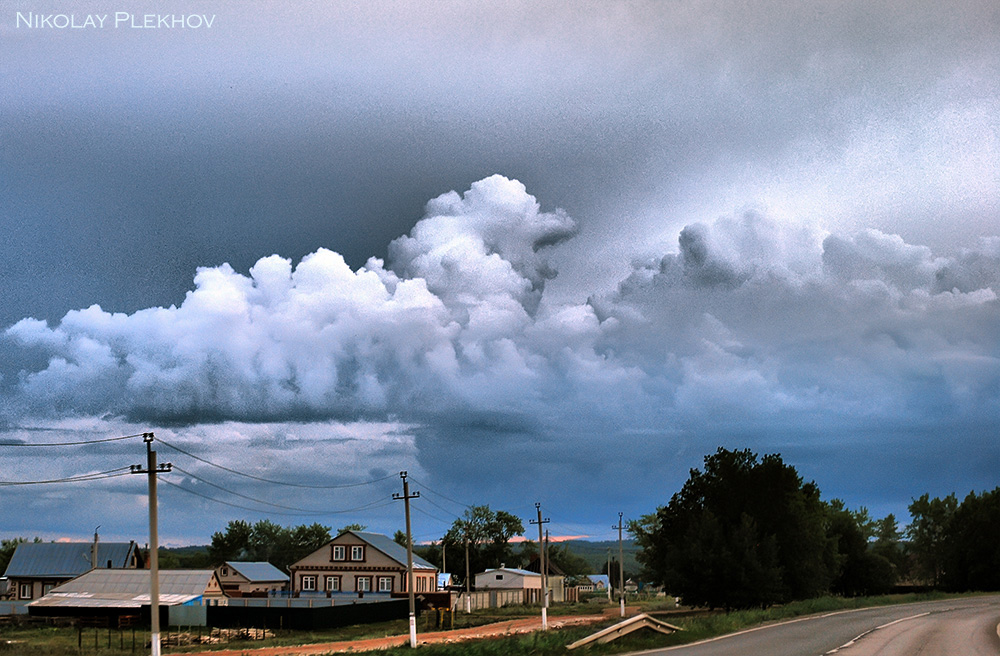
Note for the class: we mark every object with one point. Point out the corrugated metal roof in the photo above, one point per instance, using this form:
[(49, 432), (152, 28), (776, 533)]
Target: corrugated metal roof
[(598, 578), (390, 548), (512, 570), (128, 588), (65, 559), (257, 571)]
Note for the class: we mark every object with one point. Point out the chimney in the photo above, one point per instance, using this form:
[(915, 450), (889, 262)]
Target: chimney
[(93, 550)]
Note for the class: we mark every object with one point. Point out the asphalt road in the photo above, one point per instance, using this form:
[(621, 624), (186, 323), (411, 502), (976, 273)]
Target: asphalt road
[(959, 627)]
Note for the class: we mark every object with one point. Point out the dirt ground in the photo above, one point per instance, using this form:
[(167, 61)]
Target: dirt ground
[(486, 631)]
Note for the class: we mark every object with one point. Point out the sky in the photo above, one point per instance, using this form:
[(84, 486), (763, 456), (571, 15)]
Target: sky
[(528, 252)]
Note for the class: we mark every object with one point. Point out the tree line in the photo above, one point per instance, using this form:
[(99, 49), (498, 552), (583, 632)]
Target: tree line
[(748, 531)]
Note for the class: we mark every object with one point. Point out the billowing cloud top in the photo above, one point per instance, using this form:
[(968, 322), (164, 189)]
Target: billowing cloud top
[(752, 320)]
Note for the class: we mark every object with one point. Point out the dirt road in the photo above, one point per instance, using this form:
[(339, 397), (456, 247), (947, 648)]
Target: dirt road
[(457, 635)]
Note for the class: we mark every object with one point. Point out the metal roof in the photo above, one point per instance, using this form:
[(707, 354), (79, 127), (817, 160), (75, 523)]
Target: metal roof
[(127, 588), (65, 559), (598, 578), (512, 570), (257, 571), (390, 548)]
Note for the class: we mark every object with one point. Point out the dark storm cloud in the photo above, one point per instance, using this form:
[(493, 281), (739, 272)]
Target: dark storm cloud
[(861, 290)]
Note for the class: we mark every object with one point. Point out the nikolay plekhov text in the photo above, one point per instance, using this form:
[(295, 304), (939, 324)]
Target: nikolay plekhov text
[(117, 20)]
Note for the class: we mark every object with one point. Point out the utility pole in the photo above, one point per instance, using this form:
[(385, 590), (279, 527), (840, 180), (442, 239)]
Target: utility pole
[(444, 560), (151, 471), (468, 586), (409, 556), (541, 566), (621, 567), (609, 574)]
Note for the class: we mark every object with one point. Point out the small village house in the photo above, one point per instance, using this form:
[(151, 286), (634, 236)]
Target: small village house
[(37, 567), (357, 562), (245, 578), (508, 578)]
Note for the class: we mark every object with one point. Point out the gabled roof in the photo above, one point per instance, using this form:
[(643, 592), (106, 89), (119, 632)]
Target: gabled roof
[(597, 579), (65, 559), (128, 588), (511, 570), (257, 572), (390, 548)]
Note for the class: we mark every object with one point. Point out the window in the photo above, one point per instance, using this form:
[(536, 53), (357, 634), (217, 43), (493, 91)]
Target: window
[(499, 577), (339, 552), (364, 584), (333, 584), (47, 588), (25, 591), (357, 552), (385, 584), (225, 571), (308, 582)]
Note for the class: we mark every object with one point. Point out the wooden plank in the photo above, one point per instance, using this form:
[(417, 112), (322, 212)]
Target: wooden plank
[(625, 627)]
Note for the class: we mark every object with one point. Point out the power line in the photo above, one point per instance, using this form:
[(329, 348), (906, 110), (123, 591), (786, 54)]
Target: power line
[(268, 480), (446, 498), (244, 496), (374, 504), (111, 473), (75, 443)]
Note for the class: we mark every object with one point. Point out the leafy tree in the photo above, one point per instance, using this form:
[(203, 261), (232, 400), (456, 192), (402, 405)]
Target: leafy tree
[(231, 544), (888, 544), (399, 537), (927, 532), (267, 541), (352, 527), (861, 570), (743, 532), (971, 550), (488, 534)]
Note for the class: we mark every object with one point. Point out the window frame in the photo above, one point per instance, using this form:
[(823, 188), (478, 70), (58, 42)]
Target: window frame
[(386, 588), (358, 549), (332, 583), (308, 583), (343, 553), (358, 580)]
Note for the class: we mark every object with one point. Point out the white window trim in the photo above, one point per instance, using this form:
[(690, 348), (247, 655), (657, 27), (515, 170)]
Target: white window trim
[(357, 549), (385, 580), (308, 583), (343, 552), (332, 583)]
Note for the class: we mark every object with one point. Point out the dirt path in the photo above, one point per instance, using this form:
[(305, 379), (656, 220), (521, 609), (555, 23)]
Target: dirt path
[(486, 631)]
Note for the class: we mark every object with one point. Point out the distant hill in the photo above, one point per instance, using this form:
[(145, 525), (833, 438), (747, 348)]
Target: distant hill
[(191, 557), (596, 553)]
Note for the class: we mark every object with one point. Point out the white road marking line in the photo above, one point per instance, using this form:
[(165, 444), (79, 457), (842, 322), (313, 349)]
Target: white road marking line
[(887, 624)]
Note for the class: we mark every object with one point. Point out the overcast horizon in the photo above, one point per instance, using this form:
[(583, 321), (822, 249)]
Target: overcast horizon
[(528, 252)]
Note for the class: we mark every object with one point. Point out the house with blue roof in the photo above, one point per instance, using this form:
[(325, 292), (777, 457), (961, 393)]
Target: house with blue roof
[(358, 562), (249, 578), (37, 567)]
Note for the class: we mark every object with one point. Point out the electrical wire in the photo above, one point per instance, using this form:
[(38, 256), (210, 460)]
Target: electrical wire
[(111, 473), (76, 443), (370, 506), (244, 496), (446, 498), (268, 480)]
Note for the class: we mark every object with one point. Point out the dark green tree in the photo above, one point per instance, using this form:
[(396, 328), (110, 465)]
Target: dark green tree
[(931, 522), (861, 570), (488, 534), (743, 532), (971, 551), (352, 527), (267, 541)]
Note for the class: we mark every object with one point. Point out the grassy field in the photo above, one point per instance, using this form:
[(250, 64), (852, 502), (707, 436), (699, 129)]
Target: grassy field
[(66, 641)]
